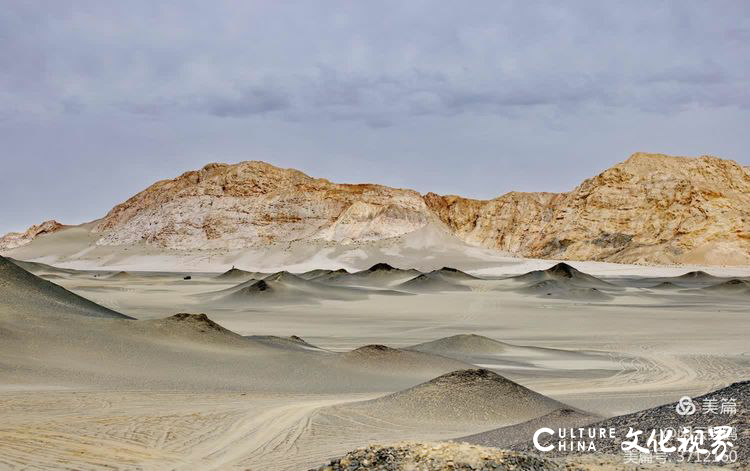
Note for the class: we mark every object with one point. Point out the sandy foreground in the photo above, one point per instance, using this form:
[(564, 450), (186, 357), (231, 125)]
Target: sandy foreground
[(92, 393)]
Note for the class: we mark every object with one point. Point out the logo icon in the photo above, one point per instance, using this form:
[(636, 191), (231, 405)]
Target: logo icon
[(685, 406)]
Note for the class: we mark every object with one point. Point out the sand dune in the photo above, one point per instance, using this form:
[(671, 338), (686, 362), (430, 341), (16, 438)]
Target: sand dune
[(441, 280), (53, 336), (120, 276), (562, 272), (38, 267), (392, 360), (463, 344), (182, 391), (287, 288), (23, 294), (733, 286), (564, 289), (698, 276), (292, 343), (378, 275), (321, 274), (500, 356), (475, 396), (432, 282), (235, 274), (666, 285), (453, 273)]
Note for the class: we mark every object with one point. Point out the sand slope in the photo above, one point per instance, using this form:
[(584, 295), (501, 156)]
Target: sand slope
[(442, 280), (392, 360), (378, 275), (563, 272), (463, 344), (474, 396), (22, 292), (287, 288)]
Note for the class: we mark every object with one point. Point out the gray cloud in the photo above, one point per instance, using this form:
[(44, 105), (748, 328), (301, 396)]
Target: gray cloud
[(371, 62), (473, 98)]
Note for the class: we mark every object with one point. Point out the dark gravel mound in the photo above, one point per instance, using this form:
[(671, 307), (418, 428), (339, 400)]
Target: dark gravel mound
[(562, 272), (697, 276), (381, 267), (666, 416), (434, 457), (375, 348), (201, 321)]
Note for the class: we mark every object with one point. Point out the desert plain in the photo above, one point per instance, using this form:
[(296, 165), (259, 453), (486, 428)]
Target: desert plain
[(285, 371)]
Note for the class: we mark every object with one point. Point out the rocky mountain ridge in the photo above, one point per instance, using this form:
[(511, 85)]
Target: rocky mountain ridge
[(651, 208), (12, 240)]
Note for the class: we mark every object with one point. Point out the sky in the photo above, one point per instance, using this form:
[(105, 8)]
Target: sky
[(99, 99)]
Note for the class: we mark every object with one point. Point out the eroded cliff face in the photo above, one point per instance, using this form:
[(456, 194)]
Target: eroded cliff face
[(510, 223), (652, 208), (254, 203)]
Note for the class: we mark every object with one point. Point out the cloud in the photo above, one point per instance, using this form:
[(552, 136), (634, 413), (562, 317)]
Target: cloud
[(375, 64)]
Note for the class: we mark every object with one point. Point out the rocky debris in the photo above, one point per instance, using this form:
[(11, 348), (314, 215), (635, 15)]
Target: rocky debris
[(449, 456), (201, 321), (666, 417), (375, 348), (12, 240), (437, 457)]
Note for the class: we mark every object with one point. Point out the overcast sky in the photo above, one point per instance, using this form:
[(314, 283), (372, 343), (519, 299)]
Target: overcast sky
[(100, 99)]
